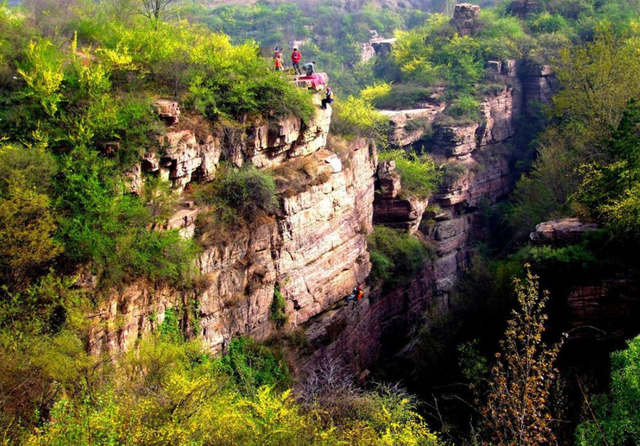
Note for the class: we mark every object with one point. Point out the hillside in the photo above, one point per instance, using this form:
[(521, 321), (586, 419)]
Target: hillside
[(199, 249)]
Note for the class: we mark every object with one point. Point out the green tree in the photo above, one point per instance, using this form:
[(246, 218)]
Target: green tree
[(614, 419)]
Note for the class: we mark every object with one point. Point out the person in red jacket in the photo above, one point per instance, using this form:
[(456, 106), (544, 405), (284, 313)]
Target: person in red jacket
[(295, 60)]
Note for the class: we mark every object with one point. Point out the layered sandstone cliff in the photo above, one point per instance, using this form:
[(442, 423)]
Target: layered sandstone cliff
[(477, 155), (314, 248)]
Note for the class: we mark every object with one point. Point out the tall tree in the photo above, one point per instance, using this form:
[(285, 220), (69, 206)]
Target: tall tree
[(517, 410)]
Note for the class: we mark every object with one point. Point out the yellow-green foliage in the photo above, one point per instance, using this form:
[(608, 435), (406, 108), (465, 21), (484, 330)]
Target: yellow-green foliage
[(376, 91), (173, 395), (357, 117)]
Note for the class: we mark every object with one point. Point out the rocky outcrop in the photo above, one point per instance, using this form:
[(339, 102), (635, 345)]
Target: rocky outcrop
[(563, 231), (604, 310), (383, 47), (524, 8), (315, 249), (465, 16), (183, 156), (408, 126), (390, 209), (538, 82), (386, 321)]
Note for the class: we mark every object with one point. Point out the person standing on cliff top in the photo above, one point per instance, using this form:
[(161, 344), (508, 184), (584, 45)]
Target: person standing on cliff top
[(279, 62), (296, 56)]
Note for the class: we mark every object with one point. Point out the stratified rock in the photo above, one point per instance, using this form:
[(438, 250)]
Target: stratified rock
[(565, 230), (168, 111), (408, 126), (383, 47), (455, 141), (465, 18), (538, 82), (315, 250)]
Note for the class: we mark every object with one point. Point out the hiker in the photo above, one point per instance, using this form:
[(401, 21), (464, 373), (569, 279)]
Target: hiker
[(360, 294), (295, 60), (355, 295), (310, 68), (328, 99), (279, 62)]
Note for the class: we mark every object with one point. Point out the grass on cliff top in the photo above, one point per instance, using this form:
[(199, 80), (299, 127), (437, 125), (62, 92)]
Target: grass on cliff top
[(420, 174)]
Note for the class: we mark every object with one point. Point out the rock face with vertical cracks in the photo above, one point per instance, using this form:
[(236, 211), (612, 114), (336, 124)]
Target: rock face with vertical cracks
[(314, 248), (384, 324)]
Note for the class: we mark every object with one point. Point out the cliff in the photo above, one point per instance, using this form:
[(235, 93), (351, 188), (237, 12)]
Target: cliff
[(314, 248), (477, 155)]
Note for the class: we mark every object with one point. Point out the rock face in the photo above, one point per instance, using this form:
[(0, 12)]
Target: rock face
[(538, 82), (390, 209), (386, 321), (563, 231), (314, 249), (523, 8), (604, 310), (408, 126), (464, 19), (184, 157)]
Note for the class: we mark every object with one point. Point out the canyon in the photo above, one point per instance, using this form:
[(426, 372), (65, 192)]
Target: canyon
[(313, 250)]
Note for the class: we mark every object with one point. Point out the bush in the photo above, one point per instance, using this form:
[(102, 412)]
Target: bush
[(356, 117), (616, 419), (420, 174), (246, 192), (395, 255), (102, 225), (464, 106), (253, 365), (403, 96), (278, 315)]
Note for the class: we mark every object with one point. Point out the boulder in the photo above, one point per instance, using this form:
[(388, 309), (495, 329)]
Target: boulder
[(563, 231)]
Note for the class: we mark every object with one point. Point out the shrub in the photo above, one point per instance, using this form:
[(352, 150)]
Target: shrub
[(420, 175), (248, 192), (616, 420), (395, 255), (253, 365), (102, 225), (356, 117), (403, 96), (277, 309), (465, 106)]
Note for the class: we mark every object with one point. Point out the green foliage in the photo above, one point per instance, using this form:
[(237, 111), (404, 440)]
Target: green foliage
[(403, 96), (239, 195), (27, 223), (337, 33), (609, 189), (464, 107), (277, 309), (420, 174), (252, 365), (614, 419), (170, 328), (103, 225), (173, 394), (43, 73), (395, 255)]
